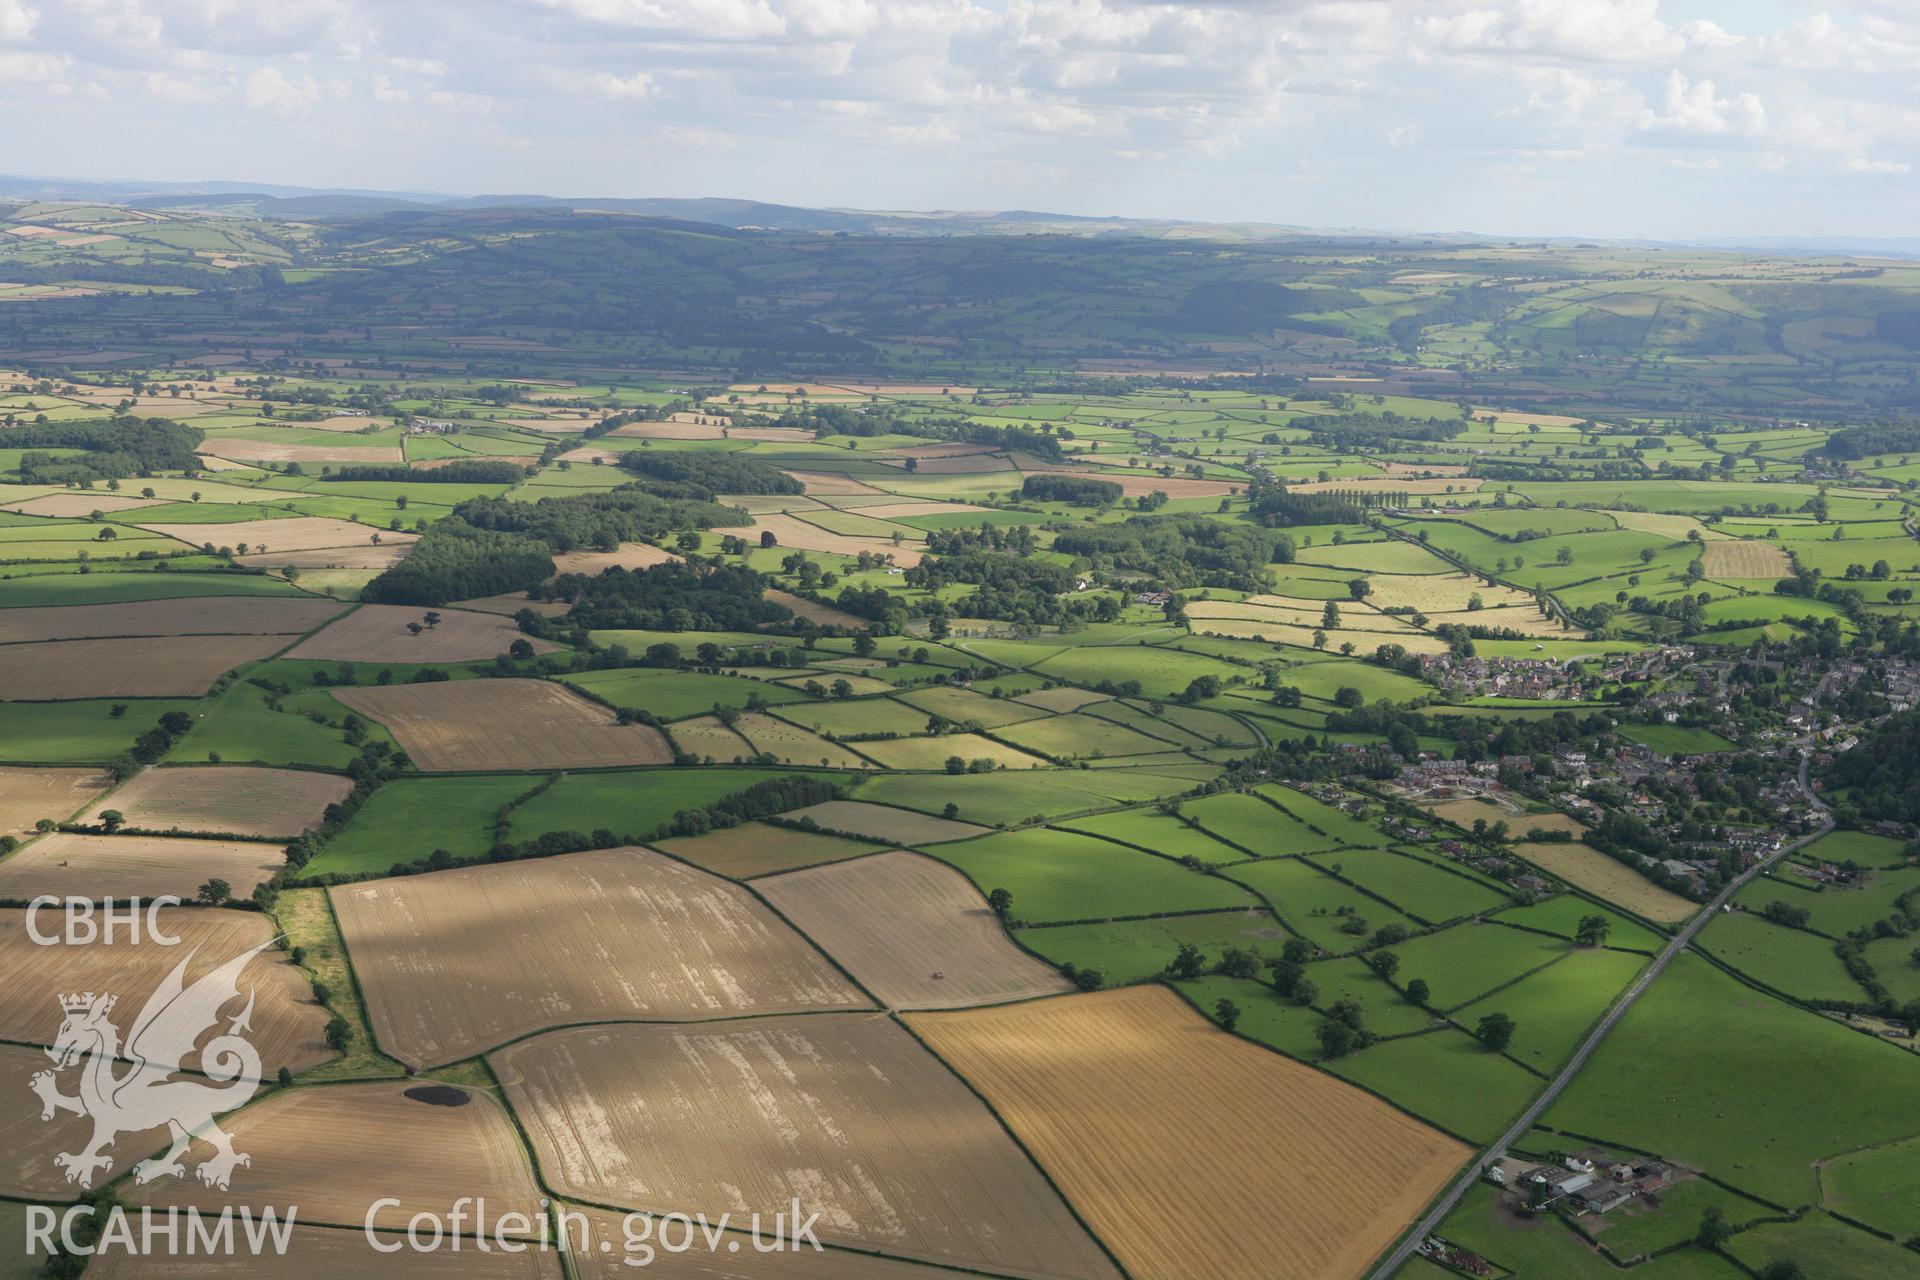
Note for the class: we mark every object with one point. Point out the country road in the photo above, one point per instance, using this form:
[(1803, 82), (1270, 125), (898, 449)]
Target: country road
[(1445, 1205)]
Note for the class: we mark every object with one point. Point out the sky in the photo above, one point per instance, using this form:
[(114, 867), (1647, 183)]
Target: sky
[(1694, 119)]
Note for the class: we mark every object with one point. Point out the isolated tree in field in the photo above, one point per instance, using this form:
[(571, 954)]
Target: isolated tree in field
[(1305, 993), (1187, 962), (1592, 931), (1495, 1031), (1385, 963), (1319, 639), (863, 644), (1337, 1039), (767, 539), (1359, 588), (339, 1034), (215, 893), (1714, 1230), (1001, 900), (956, 765), (521, 649), (431, 618), (1226, 1013), (112, 820), (415, 628), (950, 812), (1330, 617), (1418, 992), (1783, 1269)]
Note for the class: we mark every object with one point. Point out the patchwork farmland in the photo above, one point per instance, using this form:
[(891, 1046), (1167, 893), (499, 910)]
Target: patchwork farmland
[(1132, 822)]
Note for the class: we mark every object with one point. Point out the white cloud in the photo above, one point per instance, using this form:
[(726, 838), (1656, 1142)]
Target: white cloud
[(1861, 164), (19, 67), (604, 84), (17, 21), (1693, 107), (269, 89)]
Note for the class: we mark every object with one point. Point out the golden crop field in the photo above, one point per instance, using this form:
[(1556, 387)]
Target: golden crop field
[(287, 1024), (1587, 868), (459, 961), (915, 932), (63, 863), (504, 724), (28, 795), (241, 800), (1432, 593), (381, 633), (295, 533), (1146, 1115), (844, 1111), (1747, 558)]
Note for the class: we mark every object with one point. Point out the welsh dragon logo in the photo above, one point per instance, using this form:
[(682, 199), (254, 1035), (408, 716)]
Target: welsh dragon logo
[(147, 1095)]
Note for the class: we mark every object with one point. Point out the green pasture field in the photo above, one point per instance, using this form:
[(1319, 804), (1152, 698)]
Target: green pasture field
[(113, 587), (1346, 829), (1419, 888), (79, 732), (1827, 1248), (410, 818), (1641, 1228), (1162, 729), (1310, 902), (1787, 960), (1384, 1011), (1879, 1186), (240, 728), (1078, 736), (855, 716), (1836, 911), (1545, 1246), (1892, 960), (1059, 876), (1554, 1008), (629, 802), (1673, 740), (1860, 846), (1393, 556), (674, 695), (1158, 832), (1706, 1038), (1136, 950), (1162, 673), (1464, 962), (964, 706), (1445, 1077), (1254, 825), (1012, 796)]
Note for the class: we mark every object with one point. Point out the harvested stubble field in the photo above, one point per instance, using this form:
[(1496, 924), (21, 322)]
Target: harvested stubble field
[(1134, 484), (758, 848), (167, 667), (325, 1253), (28, 1144), (1526, 619), (380, 633), (628, 555), (699, 1264), (1466, 810), (512, 604), (28, 795), (66, 506), (796, 534), (933, 753), (885, 823), (912, 930), (459, 961), (287, 1024), (187, 616), (1302, 637), (368, 556), (824, 614), (234, 450), (1437, 592), (1587, 868), (749, 1115), (125, 866), (334, 1151), (705, 738), (504, 725), (1145, 1114), (239, 800), (276, 537), (793, 745), (1746, 559)]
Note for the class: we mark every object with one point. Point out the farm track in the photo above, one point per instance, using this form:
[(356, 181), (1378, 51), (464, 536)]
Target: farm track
[(1469, 1177)]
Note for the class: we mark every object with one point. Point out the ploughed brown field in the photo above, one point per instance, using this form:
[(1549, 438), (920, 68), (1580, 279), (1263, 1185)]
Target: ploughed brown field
[(844, 1112), (167, 667), (915, 932), (1192, 1152), (295, 533), (194, 616), (326, 1253), (287, 1024), (885, 823), (241, 800), (504, 725), (459, 961), (28, 795), (334, 1151), (382, 633), (64, 864), (1745, 559)]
